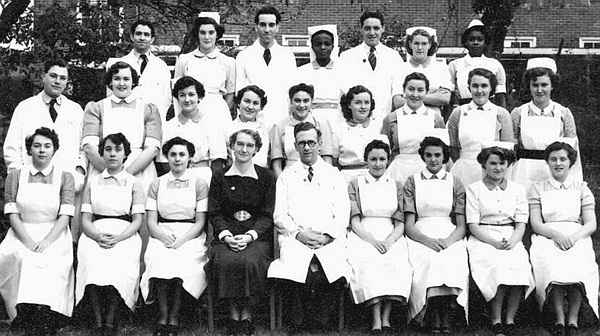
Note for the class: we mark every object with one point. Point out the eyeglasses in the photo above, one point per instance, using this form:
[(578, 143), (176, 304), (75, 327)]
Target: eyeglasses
[(310, 143)]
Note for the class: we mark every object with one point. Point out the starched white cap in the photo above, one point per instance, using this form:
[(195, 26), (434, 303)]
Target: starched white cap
[(429, 30), (213, 15), (541, 62), (475, 23)]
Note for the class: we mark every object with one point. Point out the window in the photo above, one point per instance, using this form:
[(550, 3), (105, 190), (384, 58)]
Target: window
[(295, 40), (589, 42), (229, 40), (520, 42)]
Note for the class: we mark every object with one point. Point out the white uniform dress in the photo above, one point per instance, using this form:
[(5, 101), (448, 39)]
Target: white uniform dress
[(114, 198), (437, 74), (375, 275), (536, 129), (496, 210), (433, 200), (405, 131), (561, 210), (328, 89), (216, 72), (472, 129), (460, 68), (39, 278), (139, 122), (177, 199)]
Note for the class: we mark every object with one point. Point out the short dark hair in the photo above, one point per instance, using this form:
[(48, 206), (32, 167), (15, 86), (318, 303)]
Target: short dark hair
[(301, 87), (254, 134), (422, 32), (434, 142), (178, 141), (322, 31), (503, 153), (268, 10), (484, 73), (371, 15), (114, 69), (347, 98), (142, 22), (185, 82), (59, 62), (259, 92), (206, 21), (482, 29), (376, 144), (117, 139), (46, 133), (533, 73), (558, 145), (306, 126), (416, 76)]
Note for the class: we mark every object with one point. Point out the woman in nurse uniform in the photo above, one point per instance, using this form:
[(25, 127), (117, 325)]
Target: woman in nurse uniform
[(475, 125), (212, 68), (539, 123), (408, 125), (561, 211), (197, 126), (250, 100), (123, 112), (377, 250), (497, 214), (108, 252), (176, 253), (356, 132), (434, 206), (36, 255)]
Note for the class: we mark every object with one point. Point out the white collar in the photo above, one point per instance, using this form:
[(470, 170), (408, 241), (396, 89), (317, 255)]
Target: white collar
[(262, 49), (315, 166), (440, 175), (367, 48), (129, 99), (548, 110), (46, 171), (211, 55), (317, 66), (234, 171), (118, 176), (486, 107), (557, 185), (46, 99), (137, 55), (185, 177), (469, 57), (420, 111), (371, 179)]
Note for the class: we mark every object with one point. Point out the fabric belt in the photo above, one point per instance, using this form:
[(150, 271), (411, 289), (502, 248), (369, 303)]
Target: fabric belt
[(161, 219), (324, 105), (530, 154), (242, 215), (354, 166), (499, 224), (126, 218)]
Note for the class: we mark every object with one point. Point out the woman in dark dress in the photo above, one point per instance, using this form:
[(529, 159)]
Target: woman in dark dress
[(240, 207)]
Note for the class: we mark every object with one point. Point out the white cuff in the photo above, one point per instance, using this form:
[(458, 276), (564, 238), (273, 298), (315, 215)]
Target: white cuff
[(67, 209), (151, 204), (202, 205), (150, 142), (138, 208), (86, 207), (11, 208), (93, 140), (225, 233), (252, 234)]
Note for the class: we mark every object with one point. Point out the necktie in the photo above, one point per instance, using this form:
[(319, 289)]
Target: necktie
[(480, 108), (52, 110), (267, 56), (372, 58), (144, 63), (434, 177), (310, 174)]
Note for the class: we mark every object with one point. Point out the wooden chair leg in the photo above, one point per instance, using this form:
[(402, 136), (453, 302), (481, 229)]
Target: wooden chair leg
[(341, 312), (211, 311)]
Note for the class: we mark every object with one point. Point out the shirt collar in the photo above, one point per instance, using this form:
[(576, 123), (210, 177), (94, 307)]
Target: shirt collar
[(440, 175), (492, 186), (234, 171), (183, 178), (46, 99), (316, 166), (420, 111), (46, 171), (211, 55), (428, 61), (559, 185), (367, 48), (137, 55), (548, 110), (262, 49), (129, 99), (317, 66), (469, 58), (371, 179), (118, 176), (486, 107), (183, 120)]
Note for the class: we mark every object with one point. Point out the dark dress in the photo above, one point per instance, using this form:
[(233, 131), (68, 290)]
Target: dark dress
[(241, 274)]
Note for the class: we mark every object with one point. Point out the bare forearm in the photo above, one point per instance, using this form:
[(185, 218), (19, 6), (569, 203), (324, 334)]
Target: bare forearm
[(142, 161), (132, 228), (480, 234), (437, 98), (57, 229), (91, 152)]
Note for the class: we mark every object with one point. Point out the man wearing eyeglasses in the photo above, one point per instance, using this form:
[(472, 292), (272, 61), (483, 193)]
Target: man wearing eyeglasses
[(311, 217)]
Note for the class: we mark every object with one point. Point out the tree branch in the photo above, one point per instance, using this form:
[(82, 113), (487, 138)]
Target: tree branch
[(10, 15)]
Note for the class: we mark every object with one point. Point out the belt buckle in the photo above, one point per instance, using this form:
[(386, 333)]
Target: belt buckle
[(242, 215)]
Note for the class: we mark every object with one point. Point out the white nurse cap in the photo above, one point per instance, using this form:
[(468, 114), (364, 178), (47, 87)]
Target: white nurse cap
[(541, 62), (330, 28), (429, 31), (213, 15), (475, 23)]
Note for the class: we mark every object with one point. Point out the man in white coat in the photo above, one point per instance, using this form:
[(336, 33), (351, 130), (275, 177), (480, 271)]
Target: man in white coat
[(374, 65), (311, 217), (268, 65)]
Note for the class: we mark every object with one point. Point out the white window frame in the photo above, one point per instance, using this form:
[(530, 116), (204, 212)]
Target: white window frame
[(231, 37), (584, 40), (508, 40), (285, 40)]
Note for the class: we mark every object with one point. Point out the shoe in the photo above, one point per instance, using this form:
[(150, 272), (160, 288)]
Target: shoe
[(571, 330), (498, 329), (558, 330), (376, 332), (509, 329)]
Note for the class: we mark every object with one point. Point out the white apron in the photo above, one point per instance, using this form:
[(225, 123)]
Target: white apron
[(449, 267), (412, 128), (39, 278), (131, 124), (186, 262), (352, 143), (118, 266), (552, 265), (374, 274), (289, 146), (537, 132), (476, 128)]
